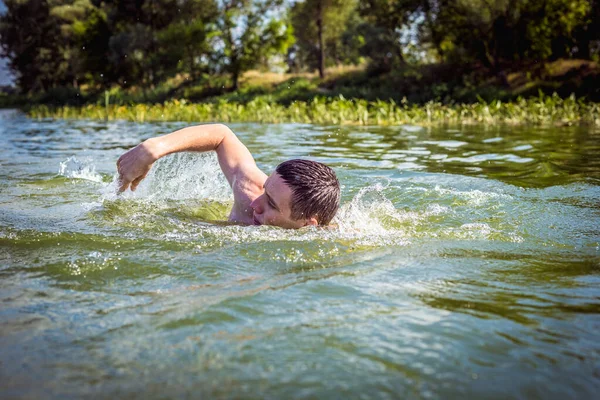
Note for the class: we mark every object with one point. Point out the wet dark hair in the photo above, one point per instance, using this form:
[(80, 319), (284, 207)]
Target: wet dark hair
[(315, 189)]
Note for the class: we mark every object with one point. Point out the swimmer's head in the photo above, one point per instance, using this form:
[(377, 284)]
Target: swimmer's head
[(298, 193), (315, 189)]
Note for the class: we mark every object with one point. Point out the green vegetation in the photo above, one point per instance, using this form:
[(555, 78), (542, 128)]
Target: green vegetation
[(232, 54), (541, 110)]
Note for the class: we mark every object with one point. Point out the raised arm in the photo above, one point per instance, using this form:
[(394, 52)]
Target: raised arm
[(234, 157)]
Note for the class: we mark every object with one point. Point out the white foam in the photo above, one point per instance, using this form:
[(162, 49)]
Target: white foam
[(74, 168), (474, 197), (370, 218), (179, 176)]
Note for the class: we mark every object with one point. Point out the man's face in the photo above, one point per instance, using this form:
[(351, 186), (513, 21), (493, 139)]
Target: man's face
[(273, 207)]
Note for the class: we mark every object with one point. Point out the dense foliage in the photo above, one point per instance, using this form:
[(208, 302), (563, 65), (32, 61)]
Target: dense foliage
[(100, 44)]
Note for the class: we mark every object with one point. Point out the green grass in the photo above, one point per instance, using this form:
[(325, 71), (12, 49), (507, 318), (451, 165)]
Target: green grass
[(562, 92), (540, 110)]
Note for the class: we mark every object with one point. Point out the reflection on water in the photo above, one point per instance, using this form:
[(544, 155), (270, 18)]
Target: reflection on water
[(529, 157), (463, 261)]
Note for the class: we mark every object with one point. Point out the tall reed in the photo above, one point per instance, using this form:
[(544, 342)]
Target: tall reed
[(542, 110)]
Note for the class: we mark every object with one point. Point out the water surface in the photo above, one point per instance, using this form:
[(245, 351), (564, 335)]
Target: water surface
[(465, 262)]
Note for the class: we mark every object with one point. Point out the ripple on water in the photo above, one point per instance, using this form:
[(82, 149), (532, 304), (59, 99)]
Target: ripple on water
[(438, 279)]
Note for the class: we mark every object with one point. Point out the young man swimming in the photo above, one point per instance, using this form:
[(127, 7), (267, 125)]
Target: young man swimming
[(299, 193)]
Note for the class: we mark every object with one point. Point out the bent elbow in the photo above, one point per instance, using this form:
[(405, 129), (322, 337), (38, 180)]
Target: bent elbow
[(225, 134), (225, 129)]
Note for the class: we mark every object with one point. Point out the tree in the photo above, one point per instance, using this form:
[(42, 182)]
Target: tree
[(130, 54), (250, 33), (92, 37), (386, 21), (319, 24), (186, 43), (134, 48), (497, 32), (75, 32), (28, 37), (587, 35)]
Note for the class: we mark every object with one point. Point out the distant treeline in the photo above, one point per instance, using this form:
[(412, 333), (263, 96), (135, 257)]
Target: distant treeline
[(58, 43)]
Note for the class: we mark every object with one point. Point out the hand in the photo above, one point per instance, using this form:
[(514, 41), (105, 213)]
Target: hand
[(134, 165)]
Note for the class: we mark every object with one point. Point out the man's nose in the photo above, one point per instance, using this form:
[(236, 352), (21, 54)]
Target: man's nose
[(256, 205)]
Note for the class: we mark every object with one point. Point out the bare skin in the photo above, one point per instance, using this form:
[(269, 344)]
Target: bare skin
[(258, 199)]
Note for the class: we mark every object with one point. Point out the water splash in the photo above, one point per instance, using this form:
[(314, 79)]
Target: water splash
[(370, 212), (180, 176), (370, 219), (74, 168), (185, 197)]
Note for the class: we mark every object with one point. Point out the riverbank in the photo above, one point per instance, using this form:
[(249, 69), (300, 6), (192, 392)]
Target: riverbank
[(563, 92), (542, 110)]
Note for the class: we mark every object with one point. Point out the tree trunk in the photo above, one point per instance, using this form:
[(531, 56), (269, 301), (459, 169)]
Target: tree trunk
[(235, 69), (582, 40), (192, 66), (321, 44), (486, 57), (233, 58), (235, 77), (399, 54)]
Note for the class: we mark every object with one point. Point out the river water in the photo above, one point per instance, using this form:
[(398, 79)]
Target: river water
[(465, 262)]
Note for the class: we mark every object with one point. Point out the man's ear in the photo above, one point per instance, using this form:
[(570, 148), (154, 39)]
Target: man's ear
[(311, 222)]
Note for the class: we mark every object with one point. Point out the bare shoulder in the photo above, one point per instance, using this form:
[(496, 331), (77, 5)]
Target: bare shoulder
[(247, 185), (242, 173), (249, 179)]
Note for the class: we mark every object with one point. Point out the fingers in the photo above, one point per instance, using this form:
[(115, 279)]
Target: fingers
[(137, 180), (123, 185), (123, 181), (132, 169), (135, 183)]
